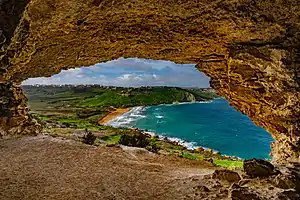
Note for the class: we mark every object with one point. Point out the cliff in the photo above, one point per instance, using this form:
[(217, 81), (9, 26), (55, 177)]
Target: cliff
[(250, 49)]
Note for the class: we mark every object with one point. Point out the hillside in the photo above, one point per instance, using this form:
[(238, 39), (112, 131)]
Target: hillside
[(97, 96)]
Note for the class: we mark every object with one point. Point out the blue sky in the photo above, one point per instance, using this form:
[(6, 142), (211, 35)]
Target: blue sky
[(130, 72)]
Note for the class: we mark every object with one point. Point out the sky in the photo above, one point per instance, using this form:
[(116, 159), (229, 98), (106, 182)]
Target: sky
[(130, 72)]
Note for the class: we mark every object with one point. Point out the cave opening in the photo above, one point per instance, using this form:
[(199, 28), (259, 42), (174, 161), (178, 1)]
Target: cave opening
[(173, 101)]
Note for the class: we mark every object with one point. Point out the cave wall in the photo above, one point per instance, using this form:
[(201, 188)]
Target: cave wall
[(250, 49), (14, 117)]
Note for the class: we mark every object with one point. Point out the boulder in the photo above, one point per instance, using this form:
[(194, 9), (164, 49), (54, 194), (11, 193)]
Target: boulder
[(210, 160), (243, 193), (208, 151), (258, 168), (288, 179), (199, 149), (288, 195), (226, 175), (243, 182)]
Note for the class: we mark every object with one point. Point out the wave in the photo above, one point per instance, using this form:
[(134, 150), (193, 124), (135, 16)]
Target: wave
[(127, 118), (188, 145), (183, 103)]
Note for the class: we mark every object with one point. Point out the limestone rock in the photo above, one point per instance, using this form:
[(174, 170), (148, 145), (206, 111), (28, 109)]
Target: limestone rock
[(208, 151), (226, 175), (202, 188), (14, 116), (289, 178), (258, 168), (288, 195), (243, 193), (199, 149)]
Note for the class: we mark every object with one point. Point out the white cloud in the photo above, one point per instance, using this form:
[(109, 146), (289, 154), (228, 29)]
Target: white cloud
[(129, 72)]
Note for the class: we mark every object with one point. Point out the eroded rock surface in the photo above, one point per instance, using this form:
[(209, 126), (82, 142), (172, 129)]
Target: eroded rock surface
[(249, 48), (14, 117), (258, 168), (226, 175), (59, 168)]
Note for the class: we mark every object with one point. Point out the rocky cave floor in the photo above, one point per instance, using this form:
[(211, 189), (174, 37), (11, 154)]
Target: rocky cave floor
[(44, 167)]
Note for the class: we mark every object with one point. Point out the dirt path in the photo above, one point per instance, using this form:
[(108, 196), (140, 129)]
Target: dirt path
[(112, 115), (50, 168)]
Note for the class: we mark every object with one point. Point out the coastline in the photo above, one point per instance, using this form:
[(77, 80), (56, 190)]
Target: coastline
[(110, 116), (120, 111), (191, 146)]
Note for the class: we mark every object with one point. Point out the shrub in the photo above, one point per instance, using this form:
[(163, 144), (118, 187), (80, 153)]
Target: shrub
[(89, 138), (134, 140), (153, 148)]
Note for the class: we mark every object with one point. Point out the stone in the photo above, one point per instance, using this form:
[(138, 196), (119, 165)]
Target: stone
[(199, 149), (208, 151), (226, 175), (243, 182), (243, 193), (14, 113), (258, 168), (202, 188), (210, 160), (288, 195), (289, 178)]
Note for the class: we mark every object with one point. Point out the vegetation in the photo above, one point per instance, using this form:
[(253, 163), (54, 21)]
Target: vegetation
[(112, 139), (191, 156), (89, 138), (100, 98), (134, 140), (231, 164), (139, 140)]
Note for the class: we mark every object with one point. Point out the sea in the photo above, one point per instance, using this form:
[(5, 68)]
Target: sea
[(212, 124)]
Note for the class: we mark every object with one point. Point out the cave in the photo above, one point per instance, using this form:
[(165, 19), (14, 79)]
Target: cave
[(250, 49)]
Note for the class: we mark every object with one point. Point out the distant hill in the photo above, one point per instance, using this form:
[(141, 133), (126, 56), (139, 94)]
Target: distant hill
[(92, 96)]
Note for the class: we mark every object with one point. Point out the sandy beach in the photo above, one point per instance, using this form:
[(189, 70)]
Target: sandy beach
[(113, 114)]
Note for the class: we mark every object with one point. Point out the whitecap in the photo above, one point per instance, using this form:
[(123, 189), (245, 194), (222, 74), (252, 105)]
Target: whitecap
[(127, 118)]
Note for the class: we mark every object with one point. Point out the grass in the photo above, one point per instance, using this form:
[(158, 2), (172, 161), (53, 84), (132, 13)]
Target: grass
[(112, 139), (230, 164), (43, 117), (71, 121), (191, 156)]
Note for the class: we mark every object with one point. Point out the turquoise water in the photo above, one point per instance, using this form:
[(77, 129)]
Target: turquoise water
[(214, 125)]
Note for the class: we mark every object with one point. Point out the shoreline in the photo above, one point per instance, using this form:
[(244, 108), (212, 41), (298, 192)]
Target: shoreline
[(181, 142), (112, 115), (120, 111)]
